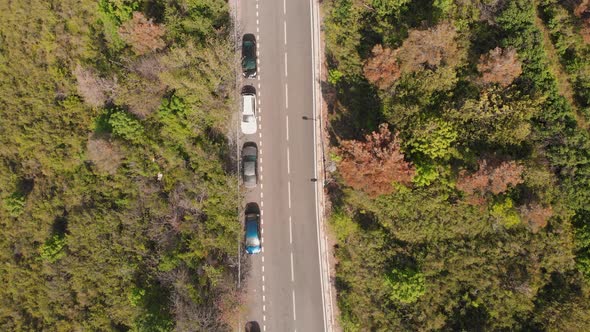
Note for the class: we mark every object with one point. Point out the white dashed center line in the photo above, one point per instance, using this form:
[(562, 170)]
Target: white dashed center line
[(288, 162), (286, 64), (287, 127), (286, 95), (292, 271)]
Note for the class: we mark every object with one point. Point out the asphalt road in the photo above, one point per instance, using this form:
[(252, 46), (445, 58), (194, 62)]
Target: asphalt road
[(284, 288)]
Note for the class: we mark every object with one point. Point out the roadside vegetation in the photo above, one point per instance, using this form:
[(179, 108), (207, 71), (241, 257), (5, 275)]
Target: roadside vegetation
[(117, 198), (460, 200)]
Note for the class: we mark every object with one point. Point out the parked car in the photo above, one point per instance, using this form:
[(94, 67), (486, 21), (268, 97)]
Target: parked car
[(249, 66), (252, 229), (249, 123), (250, 164)]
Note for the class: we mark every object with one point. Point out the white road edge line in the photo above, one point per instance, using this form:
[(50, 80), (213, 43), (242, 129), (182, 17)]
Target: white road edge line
[(290, 231), (324, 273)]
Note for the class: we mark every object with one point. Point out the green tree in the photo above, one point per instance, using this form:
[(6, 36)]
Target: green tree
[(406, 285)]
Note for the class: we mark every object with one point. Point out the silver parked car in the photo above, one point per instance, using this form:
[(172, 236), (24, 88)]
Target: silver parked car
[(250, 164)]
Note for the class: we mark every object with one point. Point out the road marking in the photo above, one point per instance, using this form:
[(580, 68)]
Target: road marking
[(259, 128), (286, 64), (262, 232), (327, 313), (294, 313), (262, 268), (256, 13), (288, 162), (263, 296), (290, 231), (259, 101), (289, 190), (264, 307), (261, 203), (261, 213), (257, 32), (257, 22), (259, 87), (256, 4), (287, 120), (264, 318), (285, 7), (292, 271), (285, 30), (286, 95), (263, 289), (261, 176), (261, 186), (261, 195), (263, 327), (260, 135)]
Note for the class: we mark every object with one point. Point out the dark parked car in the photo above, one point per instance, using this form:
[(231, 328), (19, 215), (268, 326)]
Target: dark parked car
[(250, 164), (249, 55), (252, 327), (252, 225)]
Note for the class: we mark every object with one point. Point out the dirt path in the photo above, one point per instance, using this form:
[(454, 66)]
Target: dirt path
[(564, 86)]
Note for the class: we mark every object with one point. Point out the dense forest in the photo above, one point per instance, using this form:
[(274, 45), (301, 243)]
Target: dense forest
[(118, 200), (460, 132)]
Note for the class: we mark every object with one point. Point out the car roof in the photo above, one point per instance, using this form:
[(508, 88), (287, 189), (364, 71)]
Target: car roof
[(252, 228), (249, 150), (249, 102)]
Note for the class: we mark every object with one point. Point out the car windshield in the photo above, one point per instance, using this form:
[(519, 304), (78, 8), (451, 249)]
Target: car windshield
[(249, 168), (248, 118), (252, 242)]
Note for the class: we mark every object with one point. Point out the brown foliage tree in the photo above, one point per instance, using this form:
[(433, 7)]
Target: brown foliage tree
[(140, 94), (373, 165), (499, 66), (430, 48), (493, 176), (142, 34), (536, 215), (382, 69), (582, 10), (104, 154), (95, 90)]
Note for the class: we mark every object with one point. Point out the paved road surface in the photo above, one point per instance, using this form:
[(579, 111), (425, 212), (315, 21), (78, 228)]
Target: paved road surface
[(284, 286)]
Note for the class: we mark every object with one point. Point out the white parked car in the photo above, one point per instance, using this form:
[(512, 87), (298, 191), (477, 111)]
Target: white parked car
[(249, 113)]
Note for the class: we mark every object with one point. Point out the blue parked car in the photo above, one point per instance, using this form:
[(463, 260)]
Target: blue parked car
[(253, 245)]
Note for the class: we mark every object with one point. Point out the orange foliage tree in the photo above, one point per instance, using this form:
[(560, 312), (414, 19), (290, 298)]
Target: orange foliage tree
[(375, 164), (142, 34), (492, 177), (430, 48), (499, 66), (382, 68), (536, 215)]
